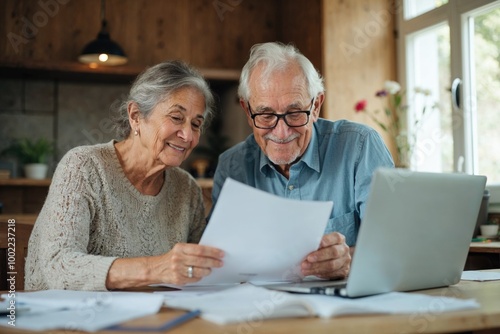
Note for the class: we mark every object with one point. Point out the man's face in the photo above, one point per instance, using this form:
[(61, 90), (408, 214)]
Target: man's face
[(283, 91)]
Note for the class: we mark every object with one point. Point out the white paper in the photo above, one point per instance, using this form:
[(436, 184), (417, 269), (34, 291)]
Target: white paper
[(248, 303), (387, 303), (82, 310), (265, 237), (472, 275)]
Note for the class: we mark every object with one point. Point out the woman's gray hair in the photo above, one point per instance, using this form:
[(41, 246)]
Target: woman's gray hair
[(277, 56), (155, 85)]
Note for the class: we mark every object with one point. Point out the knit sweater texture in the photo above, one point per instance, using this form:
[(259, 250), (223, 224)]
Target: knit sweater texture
[(93, 215)]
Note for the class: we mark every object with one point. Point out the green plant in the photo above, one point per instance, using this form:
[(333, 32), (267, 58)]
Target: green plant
[(30, 151)]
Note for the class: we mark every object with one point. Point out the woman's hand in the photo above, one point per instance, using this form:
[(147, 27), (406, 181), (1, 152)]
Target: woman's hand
[(332, 260), (174, 266), (169, 268)]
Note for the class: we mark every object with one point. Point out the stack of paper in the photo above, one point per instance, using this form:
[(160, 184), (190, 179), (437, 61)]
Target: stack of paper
[(75, 310), (480, 276), (254, 229), (246, 303)]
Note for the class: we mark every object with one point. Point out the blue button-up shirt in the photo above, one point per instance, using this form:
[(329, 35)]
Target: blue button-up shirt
[(337, 166)]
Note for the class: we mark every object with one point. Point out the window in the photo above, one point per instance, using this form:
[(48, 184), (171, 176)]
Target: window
[(484, 53), (452, 48), (415, 8), (429, 69)]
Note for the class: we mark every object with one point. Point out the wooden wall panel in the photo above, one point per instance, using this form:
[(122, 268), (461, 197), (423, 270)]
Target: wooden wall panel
[(151, 31), (359, 54), (56, 32), (75, 25), (301, 24), (232, 30), (207, 33)]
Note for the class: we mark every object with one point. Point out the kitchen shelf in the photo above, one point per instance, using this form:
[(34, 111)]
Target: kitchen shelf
[(25, 182), (78, 71)]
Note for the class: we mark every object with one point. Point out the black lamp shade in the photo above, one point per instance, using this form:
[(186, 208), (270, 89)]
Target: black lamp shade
[(103, 51)]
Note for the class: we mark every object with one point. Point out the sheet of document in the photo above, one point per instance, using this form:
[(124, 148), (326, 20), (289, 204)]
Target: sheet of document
[(77, 310), (265, 237)]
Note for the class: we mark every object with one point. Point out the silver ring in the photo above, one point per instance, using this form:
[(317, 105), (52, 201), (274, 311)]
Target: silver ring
[(190, 272)]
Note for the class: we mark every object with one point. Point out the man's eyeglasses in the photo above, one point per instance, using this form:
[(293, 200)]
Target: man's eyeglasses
[(293, 119)]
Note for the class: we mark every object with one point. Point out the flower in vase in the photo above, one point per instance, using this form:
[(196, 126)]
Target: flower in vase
[(391, 117)]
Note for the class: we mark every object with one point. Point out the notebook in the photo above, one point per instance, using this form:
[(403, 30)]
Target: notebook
[(415, 234)]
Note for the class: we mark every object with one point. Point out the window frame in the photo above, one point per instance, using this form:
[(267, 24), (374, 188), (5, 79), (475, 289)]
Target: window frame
[(455, 13)]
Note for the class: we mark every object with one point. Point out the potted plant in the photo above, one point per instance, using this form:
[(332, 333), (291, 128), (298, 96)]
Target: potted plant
[(489, 229), (32, 154)]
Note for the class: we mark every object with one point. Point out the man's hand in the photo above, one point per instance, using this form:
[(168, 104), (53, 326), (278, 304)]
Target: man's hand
[(331, 261)]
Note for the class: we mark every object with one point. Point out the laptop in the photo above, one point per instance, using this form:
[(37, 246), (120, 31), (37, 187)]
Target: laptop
[(415, 234)]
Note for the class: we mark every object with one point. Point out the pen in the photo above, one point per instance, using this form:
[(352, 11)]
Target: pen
[(166, 326)]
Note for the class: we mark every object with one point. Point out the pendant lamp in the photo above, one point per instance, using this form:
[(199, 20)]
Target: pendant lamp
[(103, 51)]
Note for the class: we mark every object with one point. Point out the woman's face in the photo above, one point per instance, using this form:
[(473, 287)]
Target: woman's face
[(173, 128)]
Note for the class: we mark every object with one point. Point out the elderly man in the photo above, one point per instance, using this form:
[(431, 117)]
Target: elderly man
[(295, 154)]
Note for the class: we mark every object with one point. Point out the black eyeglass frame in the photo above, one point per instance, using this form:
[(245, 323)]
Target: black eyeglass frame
[(281, 116)]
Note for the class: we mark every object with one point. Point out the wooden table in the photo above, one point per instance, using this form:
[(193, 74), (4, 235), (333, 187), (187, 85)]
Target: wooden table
[(483, 320)]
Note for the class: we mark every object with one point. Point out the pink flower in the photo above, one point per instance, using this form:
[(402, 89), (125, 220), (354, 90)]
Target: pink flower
[(391, 118), (360, 106)]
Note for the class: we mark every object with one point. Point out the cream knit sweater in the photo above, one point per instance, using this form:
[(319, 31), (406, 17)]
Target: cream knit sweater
[(93, 215)]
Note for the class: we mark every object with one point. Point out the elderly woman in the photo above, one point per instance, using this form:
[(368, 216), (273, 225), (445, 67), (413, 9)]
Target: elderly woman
[(122, 214)]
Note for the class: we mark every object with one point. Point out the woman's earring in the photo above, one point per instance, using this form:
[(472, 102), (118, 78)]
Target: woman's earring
[(136, 132)]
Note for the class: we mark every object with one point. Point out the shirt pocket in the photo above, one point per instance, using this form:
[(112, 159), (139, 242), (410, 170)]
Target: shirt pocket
[(346, 224)]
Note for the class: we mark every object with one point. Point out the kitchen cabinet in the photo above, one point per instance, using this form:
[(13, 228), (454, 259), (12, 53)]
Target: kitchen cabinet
[(23, 196)]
